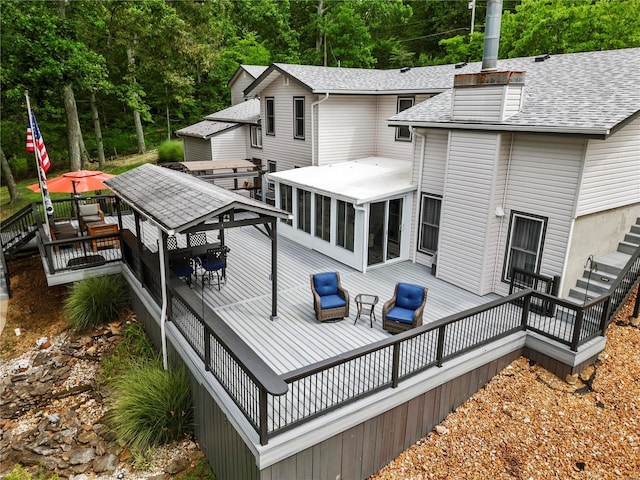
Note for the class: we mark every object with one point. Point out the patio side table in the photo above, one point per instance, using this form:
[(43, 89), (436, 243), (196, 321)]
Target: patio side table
[(366, 306)]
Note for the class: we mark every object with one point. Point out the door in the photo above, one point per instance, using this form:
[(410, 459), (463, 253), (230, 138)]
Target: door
[(385, 231)]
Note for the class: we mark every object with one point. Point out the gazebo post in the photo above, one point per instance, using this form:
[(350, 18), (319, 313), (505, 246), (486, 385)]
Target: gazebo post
[(274, 269), (163, 257)]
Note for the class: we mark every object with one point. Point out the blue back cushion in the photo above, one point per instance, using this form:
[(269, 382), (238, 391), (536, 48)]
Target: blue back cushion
[(409, 296), (326, 283)]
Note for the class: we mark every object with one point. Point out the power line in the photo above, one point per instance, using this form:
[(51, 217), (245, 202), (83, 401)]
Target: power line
[(433, 34)]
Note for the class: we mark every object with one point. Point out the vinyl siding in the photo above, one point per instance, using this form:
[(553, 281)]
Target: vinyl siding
[(347, 128), (512, 100), (197, 149), (611, 176), (237, 88), (282, 148), (543, 180), (465, 208), (478, 103), (252, 152), (386, 143), (229, 145)]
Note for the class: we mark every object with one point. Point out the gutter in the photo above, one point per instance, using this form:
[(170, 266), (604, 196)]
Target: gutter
[(313, 130)]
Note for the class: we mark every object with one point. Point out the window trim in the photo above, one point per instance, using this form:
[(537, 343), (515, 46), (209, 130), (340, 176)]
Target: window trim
[(282, 188), (305, 206), (507, 253), (422, 197), (256, 136), (319, 204), (400, 138), (270, 120), (296, 134), (348, 207)]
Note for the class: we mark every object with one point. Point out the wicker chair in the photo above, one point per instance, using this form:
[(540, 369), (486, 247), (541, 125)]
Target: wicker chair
[(404, 310), (330, 300)]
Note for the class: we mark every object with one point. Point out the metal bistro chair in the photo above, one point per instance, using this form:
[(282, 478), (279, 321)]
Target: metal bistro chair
[(182, 266), (214, 263), (196, 239)]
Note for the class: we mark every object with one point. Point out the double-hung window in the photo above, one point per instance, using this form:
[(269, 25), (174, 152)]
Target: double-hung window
[(345, 222), (323, 217), (270, 114), (256, 136), (429, 223), (525, 242), (298, 118), (403, 133), (304, 210), (286, 200)]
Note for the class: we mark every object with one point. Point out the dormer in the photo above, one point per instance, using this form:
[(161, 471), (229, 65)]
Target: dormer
[(487, 96)]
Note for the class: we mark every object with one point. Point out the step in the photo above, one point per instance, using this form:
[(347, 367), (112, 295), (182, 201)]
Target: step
[(612, 263), (600, 275), (635, 229), (579, 293), (628, 248), (632, 238), (595, 283)]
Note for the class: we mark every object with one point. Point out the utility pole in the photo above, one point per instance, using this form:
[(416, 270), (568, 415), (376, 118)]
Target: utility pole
[(472, 7)]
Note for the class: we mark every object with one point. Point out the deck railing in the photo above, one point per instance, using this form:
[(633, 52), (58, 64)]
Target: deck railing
[(319, 388)]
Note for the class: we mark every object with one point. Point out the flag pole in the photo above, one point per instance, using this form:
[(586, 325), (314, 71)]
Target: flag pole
[(43, 185)]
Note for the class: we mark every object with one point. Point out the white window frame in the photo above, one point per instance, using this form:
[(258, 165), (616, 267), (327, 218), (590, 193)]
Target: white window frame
[(298, 134), (349, 211), (256, 136), (304, 212), (286, 201), (423, 222), (325, 216), (403, 133), (513, 224), (271, 168), (270, 119)]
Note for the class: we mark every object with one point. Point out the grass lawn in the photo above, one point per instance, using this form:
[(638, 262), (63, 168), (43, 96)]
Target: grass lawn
[(114, 167)]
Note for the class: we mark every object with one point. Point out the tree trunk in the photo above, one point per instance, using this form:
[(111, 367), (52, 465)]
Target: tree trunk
[(98, 130), (73, 129), (320, 33), (8, 179), (142, 148)]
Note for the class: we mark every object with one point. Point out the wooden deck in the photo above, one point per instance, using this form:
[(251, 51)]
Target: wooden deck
[(296, 339)]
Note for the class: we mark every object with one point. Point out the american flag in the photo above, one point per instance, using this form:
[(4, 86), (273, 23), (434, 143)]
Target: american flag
[(35, 140)]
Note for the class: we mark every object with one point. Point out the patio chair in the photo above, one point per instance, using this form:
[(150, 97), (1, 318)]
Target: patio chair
[(182, 266), (404, 310), (90, 213), (330, 300), (196, 239), (214, 262)]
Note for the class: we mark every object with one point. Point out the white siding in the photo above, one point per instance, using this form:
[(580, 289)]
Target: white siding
[(197, 149), (512, 100), (347, 126), (282, 148), (465, 209), (229, 145), (237, 88), (252, 152), (611, 176), (542, 180), (386, 143), (478, 103)]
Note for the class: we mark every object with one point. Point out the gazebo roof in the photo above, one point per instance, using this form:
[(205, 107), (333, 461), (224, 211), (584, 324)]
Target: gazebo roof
[(176, 201)]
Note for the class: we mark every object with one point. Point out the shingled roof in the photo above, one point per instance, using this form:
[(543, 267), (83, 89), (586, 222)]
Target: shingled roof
[(176, 201), (205, 129), (243, 112)]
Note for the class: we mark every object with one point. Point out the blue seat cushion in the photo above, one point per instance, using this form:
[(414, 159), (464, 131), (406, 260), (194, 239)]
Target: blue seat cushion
[(215, 264), (399, 314), (332, 301), (326, 283), (409, 296), (183, 272)]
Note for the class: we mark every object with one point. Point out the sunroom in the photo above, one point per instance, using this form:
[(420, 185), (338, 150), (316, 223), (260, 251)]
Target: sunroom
[(357, 212)]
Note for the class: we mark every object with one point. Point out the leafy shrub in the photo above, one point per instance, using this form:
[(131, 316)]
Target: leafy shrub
[(133, 349), (150, 406), (96, 301), (170, 151), (21, 473)]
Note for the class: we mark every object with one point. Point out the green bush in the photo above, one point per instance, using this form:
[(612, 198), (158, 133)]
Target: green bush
[(171, 151), (150, 406), (134, 349), (96, 301)]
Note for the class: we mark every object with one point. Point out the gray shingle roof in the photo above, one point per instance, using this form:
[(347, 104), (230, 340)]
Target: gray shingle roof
[(243, 112), (254, 70), (589, 92), (177, 201), (205, 129)]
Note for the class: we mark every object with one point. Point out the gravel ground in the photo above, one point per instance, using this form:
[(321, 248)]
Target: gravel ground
[(529, 424)]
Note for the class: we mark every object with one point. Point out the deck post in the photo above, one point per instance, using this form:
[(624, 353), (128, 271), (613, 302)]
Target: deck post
[(163, 257), (604, 316), (577, 327), (274, 269), (263, 427), (440, 352), (395, 365), (526, 305)]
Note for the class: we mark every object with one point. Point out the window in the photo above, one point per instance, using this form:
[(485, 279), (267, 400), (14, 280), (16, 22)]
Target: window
[(286, 200), (526, 239), (271, 187), (256, 136), (345, 221), (429, 223), (298, 117), (304, 210), (323, 217), (270, 107), (403, 133)]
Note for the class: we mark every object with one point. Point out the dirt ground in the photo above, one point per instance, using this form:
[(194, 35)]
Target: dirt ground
[(34, 308)]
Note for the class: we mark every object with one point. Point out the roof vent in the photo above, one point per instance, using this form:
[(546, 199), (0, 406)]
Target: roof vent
[(542, 58), (460, 65), (405, 69)]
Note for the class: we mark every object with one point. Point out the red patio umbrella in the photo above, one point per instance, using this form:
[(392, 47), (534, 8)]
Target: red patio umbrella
[(75, 182)]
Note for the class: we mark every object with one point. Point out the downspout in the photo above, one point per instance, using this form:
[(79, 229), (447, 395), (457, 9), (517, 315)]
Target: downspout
[(313, 130), (418, 206), (163, 313), (504, 200), (365, 237)]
